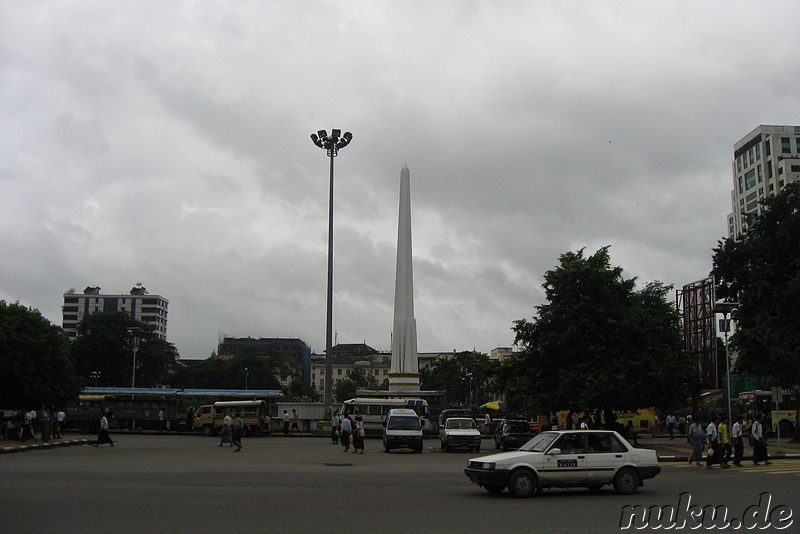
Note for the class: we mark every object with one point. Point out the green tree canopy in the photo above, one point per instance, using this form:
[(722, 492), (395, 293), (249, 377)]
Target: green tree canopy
[(252, 368), (761, 271), (35, 365), (466, 378), (104, 345), (598, 343)]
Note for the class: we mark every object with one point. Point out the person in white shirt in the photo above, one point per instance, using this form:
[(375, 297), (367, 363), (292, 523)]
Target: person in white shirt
[(759, 446), (346, 428), (738, 442), (103, 436), (712, 440)]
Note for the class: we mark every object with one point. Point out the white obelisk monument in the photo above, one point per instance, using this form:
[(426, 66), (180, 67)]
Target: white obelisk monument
[(404, 373)]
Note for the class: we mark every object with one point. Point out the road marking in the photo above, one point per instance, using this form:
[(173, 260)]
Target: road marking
[(776, 467)]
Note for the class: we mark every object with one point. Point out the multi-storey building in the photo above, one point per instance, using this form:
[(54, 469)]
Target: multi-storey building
[(764, 161), (149, 309), (293, 350), (373, 364)]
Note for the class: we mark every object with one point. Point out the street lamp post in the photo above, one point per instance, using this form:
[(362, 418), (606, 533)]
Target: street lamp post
[(134, 333), (95, 375), (332, 144), (726, 308), (245, 378)]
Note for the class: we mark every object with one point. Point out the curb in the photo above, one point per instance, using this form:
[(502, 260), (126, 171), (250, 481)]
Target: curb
[(48, 445), (790, 456)]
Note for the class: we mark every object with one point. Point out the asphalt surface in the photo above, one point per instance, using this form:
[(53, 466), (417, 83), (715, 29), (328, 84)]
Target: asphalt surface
[(182, 483), (668, 450)]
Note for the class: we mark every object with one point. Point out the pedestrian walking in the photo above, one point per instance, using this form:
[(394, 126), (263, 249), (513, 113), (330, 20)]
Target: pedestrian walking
[(226, 435), (671, 422), (335, 422), (724, 441), (238, 431), (696, 434), (296, 422), (712, 440), (285, 423), (738, 441), (759, 444), (346, 427), (103, 436), (358, 435)]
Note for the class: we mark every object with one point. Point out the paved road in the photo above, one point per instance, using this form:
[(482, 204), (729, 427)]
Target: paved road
[(187, 484)]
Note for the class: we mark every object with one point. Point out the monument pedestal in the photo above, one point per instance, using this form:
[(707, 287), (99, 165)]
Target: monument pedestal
[(404, 381)]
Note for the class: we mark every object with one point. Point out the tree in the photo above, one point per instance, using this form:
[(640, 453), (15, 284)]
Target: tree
[(35, 365), (760, 270), (104, 345), (466, 378), (598, 343), (256, 368)]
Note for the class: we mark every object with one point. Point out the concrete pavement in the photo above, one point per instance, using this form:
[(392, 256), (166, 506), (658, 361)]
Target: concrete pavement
[(668, 450)]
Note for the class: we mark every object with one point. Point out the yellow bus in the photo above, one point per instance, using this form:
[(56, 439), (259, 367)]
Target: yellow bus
[(255, 415)]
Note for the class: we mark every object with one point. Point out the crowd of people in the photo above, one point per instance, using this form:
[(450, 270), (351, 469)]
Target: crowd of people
[(723, 441), (45, 425), (349, 430)]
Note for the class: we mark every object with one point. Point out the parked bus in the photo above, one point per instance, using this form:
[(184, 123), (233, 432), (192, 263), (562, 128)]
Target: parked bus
[(374, 411), (255, 415), (84, 415), (751, 403)]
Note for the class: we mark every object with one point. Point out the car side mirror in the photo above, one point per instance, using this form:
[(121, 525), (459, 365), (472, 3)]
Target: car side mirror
[(554, 450)]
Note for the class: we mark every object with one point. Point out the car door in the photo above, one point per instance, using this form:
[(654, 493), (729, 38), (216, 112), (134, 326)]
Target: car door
[(565, 460), (604, 453)]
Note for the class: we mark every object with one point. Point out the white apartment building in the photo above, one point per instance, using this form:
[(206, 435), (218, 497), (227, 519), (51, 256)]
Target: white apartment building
[(149, 309), (764, 161)]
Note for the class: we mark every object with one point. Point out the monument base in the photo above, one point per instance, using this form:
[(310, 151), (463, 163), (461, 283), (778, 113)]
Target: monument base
[(404, 381)]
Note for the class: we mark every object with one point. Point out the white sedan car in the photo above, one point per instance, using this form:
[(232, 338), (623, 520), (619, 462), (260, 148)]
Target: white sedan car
[(565, 459)]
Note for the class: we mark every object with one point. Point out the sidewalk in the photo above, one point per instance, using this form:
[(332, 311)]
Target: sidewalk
[(677, 450), (17, 446)]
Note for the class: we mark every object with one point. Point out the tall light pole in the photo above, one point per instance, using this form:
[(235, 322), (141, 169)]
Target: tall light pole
[(134, 333), (245, 378), (726, 308), (332, 144)]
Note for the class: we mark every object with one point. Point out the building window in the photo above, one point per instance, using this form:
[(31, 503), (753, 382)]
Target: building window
[(795, 168), (760, 174), (339, 372), (769, 169), (767, 148), (786, 145), (749, 179), (758, 152)]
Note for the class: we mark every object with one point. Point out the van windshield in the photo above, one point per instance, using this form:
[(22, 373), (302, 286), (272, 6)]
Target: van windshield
[(406, 422)]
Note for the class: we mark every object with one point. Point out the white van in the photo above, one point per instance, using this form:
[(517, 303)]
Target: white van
[(402, 429)]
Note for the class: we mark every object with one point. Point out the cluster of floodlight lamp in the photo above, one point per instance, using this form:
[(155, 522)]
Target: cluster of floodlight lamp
[(332, 143)]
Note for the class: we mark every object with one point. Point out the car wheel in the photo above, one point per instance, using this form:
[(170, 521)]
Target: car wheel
[(522, 483), (626, 481), (494, 488)]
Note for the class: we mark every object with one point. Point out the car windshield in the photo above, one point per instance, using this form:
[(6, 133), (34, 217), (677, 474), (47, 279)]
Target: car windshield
[(403, 423), (517, 428), (460, 423), (540, 442)]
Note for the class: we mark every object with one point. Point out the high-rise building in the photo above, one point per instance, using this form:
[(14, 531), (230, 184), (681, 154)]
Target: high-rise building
[(764, 161), (149, 309)]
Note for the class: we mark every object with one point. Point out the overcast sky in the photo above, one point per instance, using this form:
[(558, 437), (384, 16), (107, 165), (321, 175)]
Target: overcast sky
[(168, 143)]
